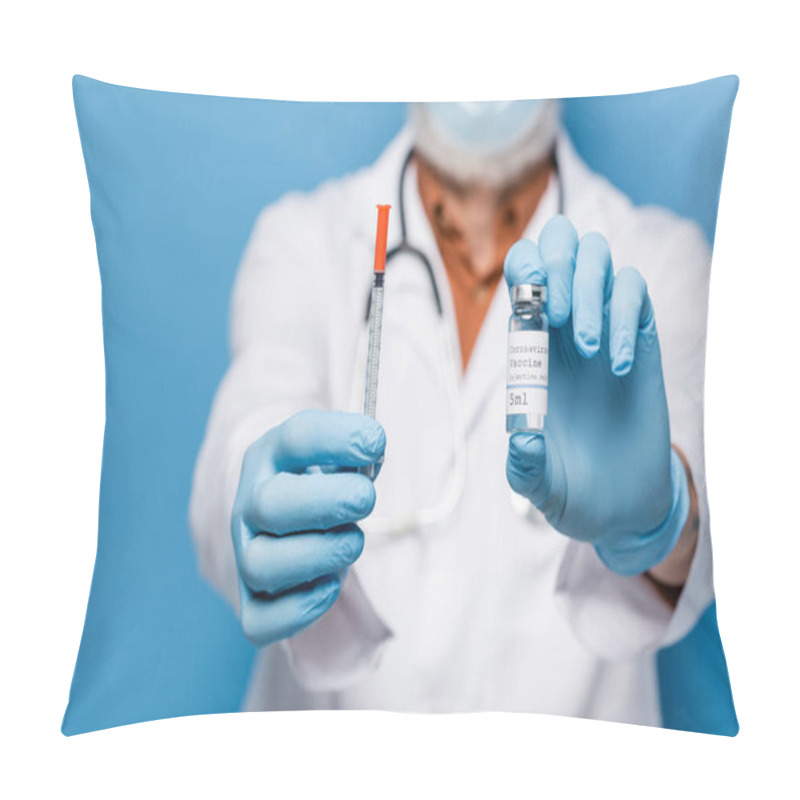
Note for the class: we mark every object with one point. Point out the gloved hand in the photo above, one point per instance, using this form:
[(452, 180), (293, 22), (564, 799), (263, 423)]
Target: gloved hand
[(603, 471), (293, 521)]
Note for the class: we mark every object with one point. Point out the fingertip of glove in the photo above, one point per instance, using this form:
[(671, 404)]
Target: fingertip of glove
[(523, 263), (622, 356), (330, 591), (528, 444), (526, 454), (558, 239), (352, 545), (362, 496), (588, 344), (372, 440), (622, 363), (323, 596)]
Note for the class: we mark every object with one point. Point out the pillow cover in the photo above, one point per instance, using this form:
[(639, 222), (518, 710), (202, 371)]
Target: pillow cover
[(178, 183)]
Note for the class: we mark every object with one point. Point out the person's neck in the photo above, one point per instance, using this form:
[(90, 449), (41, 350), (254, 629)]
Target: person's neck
[(476, 224), (474, 227)]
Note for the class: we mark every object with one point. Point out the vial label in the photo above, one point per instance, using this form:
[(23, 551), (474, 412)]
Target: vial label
[(526, 389)]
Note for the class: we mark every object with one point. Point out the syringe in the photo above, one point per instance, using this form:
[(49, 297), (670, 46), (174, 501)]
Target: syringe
[(375, 321)]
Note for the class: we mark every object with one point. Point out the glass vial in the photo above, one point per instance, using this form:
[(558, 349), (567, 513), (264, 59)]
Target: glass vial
[(528, 347)]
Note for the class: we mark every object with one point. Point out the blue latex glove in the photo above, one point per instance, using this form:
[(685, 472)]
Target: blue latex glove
[(293, 521), (603, 471)]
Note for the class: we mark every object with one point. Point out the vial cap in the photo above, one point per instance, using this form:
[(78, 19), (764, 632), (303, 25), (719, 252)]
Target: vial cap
[(528, 293)]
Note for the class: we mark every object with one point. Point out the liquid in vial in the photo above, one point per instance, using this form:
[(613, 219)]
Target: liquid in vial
[(528, 348)]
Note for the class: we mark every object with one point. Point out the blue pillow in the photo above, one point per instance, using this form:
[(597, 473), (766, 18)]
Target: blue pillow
[(176, 184)]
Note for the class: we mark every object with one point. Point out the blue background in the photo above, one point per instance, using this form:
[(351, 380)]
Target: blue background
[(176, 183)]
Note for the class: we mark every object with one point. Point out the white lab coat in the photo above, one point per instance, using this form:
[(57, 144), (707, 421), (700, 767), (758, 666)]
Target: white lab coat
[(491, 609)]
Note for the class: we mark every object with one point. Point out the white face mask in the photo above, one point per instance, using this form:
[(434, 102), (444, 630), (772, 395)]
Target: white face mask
[(485, 142)]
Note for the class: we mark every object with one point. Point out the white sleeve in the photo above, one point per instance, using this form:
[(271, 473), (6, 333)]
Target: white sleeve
[(623, 617), (278, 330)]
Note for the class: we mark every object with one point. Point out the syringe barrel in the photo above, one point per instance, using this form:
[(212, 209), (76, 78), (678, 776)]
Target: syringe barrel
[(373, 358), (374, 347), (375, 323)]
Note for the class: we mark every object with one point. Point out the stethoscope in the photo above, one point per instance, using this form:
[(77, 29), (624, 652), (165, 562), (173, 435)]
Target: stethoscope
[(410, 520)]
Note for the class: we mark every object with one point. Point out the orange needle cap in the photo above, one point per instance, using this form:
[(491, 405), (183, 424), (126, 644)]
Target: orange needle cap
[(380, 238)]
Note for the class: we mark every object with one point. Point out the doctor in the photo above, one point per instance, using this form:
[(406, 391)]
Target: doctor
[(536, 573)]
